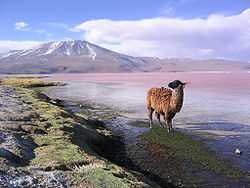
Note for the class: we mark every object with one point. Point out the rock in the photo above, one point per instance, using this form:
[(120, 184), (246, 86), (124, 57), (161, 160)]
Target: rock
[(16, 148), (32, 129), (237, 151), (10, 126)]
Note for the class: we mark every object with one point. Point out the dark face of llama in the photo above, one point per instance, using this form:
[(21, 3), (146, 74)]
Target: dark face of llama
[(175, 84)]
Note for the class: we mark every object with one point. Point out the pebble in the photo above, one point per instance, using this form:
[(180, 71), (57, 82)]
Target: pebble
[(237, 151)]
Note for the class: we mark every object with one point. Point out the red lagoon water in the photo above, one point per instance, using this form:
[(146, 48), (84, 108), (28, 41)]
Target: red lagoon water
[(210, 95), (221, 81)]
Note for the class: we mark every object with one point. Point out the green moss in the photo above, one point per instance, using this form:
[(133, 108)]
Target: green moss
[(59, 147), (112, 178), (28, 82), (103, 178), (55, 151), (67, 139), (188, 149)]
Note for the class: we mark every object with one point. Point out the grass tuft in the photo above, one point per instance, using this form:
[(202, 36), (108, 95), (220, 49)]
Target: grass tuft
[(27, 82)]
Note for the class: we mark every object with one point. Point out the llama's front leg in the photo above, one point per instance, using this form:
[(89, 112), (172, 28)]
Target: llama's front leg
[(167, 122), (158, 115), (150, 114)]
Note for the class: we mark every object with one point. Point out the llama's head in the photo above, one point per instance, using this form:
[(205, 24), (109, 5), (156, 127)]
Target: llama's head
[(177, 84)]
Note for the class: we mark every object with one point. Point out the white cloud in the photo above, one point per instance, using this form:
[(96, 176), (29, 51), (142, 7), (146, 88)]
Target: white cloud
[(6, 45), (212, 37), (21, 26)]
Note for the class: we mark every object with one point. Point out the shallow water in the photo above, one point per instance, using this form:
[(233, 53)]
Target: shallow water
[(216, 103)]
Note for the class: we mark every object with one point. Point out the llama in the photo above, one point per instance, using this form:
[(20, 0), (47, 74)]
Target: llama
[(166, 102)]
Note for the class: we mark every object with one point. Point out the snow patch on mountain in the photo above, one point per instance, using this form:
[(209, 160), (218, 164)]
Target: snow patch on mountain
[(92, 52), (25, 52), (8, 54), (67, 52), (53, 47)]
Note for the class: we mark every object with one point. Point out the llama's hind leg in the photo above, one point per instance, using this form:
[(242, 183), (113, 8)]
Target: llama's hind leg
[(150, 116), (168, 125)]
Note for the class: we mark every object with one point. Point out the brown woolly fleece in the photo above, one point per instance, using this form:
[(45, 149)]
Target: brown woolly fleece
[(166, 102)]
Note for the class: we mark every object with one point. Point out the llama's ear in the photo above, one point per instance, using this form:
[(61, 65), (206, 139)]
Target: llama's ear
[(185, 83)]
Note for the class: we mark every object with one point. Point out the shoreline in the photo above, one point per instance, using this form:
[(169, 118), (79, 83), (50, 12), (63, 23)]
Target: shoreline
[(147, 155), (98, 124), (46, 145)]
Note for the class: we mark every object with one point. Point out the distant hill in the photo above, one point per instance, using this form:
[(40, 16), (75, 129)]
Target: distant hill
[(186, 64), (78, 56)]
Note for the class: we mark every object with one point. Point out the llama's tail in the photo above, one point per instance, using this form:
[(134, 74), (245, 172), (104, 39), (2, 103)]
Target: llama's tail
[(149, 106)]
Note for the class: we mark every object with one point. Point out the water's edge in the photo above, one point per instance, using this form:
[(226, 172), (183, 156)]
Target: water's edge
[(136, 154)]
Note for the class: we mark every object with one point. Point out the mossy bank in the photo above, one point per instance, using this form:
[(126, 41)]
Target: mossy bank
[(62, 141), (194, 163)]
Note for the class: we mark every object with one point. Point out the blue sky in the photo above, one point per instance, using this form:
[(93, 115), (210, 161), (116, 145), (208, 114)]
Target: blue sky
[(45, 20)]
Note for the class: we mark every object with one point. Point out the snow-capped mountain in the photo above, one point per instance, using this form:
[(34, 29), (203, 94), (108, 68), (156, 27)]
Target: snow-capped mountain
[(60, 48), (78, 56), (68, 56)]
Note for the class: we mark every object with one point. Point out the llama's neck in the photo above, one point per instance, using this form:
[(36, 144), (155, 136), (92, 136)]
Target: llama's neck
[(177, 100)]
